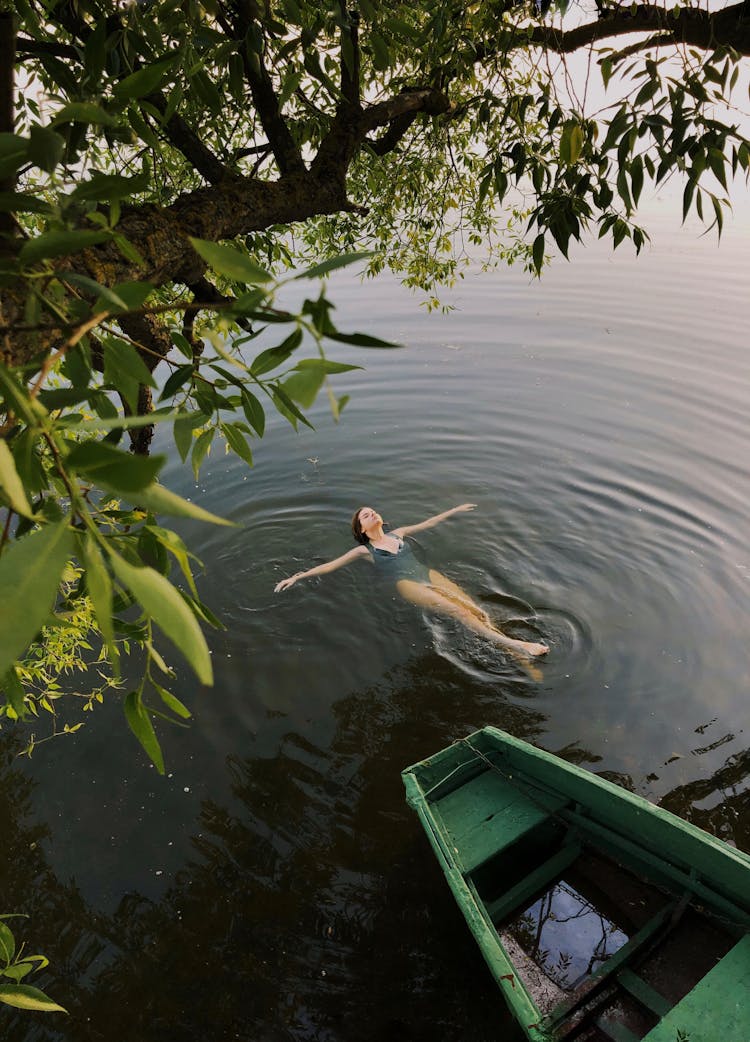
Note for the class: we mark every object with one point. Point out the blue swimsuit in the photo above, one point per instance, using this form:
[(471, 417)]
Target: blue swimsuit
[(399, 565)]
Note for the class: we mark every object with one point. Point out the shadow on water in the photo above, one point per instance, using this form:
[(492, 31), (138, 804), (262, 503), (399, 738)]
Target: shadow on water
[(312, 908)]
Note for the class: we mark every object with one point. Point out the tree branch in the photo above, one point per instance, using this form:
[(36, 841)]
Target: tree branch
[(186, 141), (386, 143), (205, 291), (657, 40), (350, 57), (348, 132), (286, 153), (692, 26), (7, 106), (150, 333)]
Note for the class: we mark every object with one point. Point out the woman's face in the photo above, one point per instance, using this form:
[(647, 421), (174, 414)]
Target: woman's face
[(369, 519)]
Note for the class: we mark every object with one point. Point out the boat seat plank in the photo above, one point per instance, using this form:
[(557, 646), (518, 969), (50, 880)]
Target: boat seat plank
[(535, 881), (490, 813), (725, 988), (616, 1031), (644, 993)]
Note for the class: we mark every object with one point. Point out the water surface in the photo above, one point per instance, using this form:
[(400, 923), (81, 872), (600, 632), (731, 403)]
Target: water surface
[(273, 885)]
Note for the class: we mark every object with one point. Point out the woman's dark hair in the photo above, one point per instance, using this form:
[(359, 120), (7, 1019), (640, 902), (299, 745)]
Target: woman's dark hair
[(359, 535)]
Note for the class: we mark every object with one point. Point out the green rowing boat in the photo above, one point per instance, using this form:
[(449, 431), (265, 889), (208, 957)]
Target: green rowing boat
[(601, 916)]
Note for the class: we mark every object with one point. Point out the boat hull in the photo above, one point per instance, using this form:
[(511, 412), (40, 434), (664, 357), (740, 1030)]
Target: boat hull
[(530, 843)]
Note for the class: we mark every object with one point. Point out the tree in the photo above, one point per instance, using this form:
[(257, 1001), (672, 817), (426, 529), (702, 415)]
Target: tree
[(138, 141)]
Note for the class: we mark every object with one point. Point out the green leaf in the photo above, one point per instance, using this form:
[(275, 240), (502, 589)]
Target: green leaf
[(171, 542), (106, 298), (564, 150), (7, 944), (359, 339), (237, 442), (203, 611), (183, 429), (718, 212), (20, 202), (30, 571), (45, 148), (623, 190), (286, 406), (18, 970), (200, 449), (303, 387), (646, 93), (15, 693), (59, 244), (99, 586), (289, 86), (182, 374), (172, 702), (144, 81), (113, 469), (319, 270), (253, 410), (636, 178), (116, 422), (13, 146), (109, 187), (687, 198), (716, 160), (23, 996), (11, 485), (182, 344), (17, 399), (273, 357), (230, 262), (576, 143), (537, 251), (140, 724), (134, 294), (161, 601), (325, 365), (160, 500), (606, 70), (381, 55), (83, 112), (128, 250), (121, 360)]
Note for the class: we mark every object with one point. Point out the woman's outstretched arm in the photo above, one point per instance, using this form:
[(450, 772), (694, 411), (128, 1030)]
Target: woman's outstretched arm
[(432, 521), (322, 569)]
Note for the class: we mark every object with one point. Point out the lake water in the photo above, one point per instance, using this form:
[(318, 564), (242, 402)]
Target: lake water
[(274, 886)]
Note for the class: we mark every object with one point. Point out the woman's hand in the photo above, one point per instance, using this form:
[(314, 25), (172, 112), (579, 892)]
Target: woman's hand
[(463, 508), (286, 583)]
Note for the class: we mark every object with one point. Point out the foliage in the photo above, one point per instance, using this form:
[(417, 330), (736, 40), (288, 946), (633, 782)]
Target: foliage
[(61, 653), (15, 966), (61, 466), (164, 165)]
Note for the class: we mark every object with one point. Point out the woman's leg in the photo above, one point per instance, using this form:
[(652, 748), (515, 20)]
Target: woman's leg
[(455, 593), (437, 600)]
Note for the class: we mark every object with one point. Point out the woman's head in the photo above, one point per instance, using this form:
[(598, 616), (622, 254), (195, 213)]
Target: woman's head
[(365, 519)]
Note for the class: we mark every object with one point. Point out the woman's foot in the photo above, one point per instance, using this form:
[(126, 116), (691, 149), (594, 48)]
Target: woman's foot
[(532, 650)]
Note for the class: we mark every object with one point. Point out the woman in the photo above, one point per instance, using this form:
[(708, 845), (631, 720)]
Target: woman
[(414, 582)]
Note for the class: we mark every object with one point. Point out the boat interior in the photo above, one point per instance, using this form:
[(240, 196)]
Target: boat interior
[(607, 937)]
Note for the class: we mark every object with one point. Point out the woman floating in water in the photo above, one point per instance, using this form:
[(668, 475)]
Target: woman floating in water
[(416, 583)]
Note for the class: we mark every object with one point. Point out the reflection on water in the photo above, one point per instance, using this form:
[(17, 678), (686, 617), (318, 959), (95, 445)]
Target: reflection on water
[(274, 886), (310, 906), (566, 935)]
